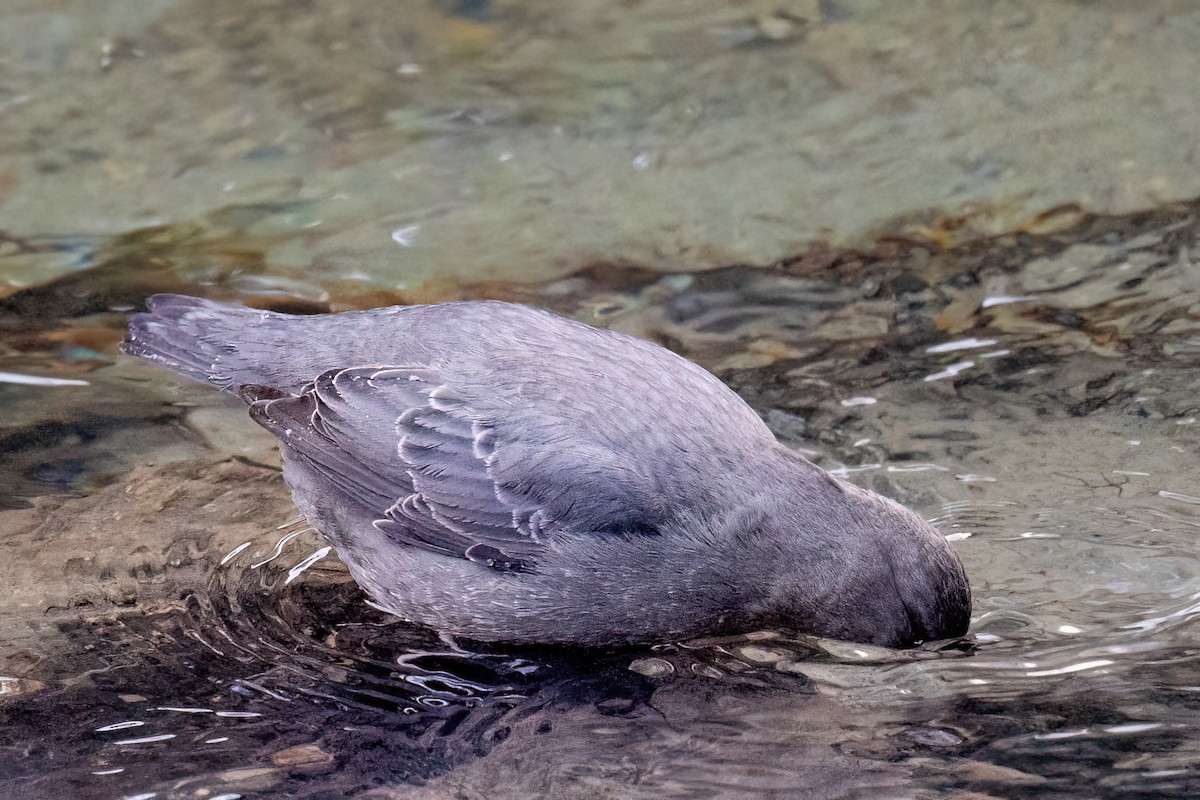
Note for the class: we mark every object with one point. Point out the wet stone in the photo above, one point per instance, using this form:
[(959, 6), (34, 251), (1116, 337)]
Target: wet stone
[(1068, 267), (652, 667), (299, 755), (761, 655), (934, 737), (11, 687), (251, 778), (983, 772)]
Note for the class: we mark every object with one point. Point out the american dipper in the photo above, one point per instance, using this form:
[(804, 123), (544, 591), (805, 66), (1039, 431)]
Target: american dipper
[(501, 473)]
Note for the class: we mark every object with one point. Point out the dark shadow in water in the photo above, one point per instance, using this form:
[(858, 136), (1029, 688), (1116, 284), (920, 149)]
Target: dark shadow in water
[(386, 703), (301, 690)]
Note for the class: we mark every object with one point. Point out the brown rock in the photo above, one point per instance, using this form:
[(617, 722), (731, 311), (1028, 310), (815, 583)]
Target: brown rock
[(300, 755)]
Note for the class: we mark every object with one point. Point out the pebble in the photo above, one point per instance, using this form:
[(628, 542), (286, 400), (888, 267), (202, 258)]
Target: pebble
[(301, 754)]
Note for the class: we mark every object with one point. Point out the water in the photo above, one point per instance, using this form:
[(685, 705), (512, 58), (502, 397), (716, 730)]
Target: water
[(1026, 380)]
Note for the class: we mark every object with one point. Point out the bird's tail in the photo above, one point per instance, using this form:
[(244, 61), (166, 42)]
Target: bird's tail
[(200, 339)]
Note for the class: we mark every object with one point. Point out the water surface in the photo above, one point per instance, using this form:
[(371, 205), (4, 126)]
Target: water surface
[(1019, 370)]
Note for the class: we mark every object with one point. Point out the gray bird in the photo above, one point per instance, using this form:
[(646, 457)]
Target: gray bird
[(501, 473)]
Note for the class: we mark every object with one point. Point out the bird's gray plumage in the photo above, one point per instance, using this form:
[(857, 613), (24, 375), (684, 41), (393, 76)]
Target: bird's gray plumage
[(503, 473)]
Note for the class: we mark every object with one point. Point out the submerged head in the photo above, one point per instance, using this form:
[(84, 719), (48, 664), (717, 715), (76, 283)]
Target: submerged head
[(866, 569)]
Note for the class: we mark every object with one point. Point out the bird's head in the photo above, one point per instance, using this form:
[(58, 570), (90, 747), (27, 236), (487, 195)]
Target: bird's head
[(851, 564)]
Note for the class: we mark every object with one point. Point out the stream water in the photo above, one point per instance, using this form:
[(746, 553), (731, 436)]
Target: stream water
[(929, 273)]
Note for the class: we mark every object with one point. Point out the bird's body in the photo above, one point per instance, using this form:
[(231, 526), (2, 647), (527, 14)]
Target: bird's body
[(502, 473)]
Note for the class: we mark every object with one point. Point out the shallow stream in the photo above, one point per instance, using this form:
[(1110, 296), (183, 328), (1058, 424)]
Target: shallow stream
[(901, 236)]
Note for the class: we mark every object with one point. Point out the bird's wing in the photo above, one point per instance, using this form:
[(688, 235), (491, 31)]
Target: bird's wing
[(436, 473)]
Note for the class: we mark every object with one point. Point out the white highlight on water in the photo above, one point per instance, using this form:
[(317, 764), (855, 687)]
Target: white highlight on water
[(120, 726), (1183, 498), (1072, 668), (233, 553), (38, 380), (950, 371), (404, 236), (1001, 300), (162, 737), (842, 472), (278, 548), (299, 569), (1153, 622), (917, 468), (1062, 734), (961, 344), (1133, 727)]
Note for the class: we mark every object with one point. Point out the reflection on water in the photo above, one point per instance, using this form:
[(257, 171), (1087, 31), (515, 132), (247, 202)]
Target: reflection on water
[(167, 633), (174, 634)]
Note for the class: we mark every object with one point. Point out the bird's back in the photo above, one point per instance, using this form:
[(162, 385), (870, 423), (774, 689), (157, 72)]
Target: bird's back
[(638, 413)]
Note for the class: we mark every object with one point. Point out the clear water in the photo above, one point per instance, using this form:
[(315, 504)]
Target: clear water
[(1032, 389)]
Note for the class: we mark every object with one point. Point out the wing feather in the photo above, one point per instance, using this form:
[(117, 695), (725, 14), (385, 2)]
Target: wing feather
[(408, 446)]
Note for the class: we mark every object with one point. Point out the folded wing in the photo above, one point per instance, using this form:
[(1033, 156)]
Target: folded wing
[(406, 444)]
